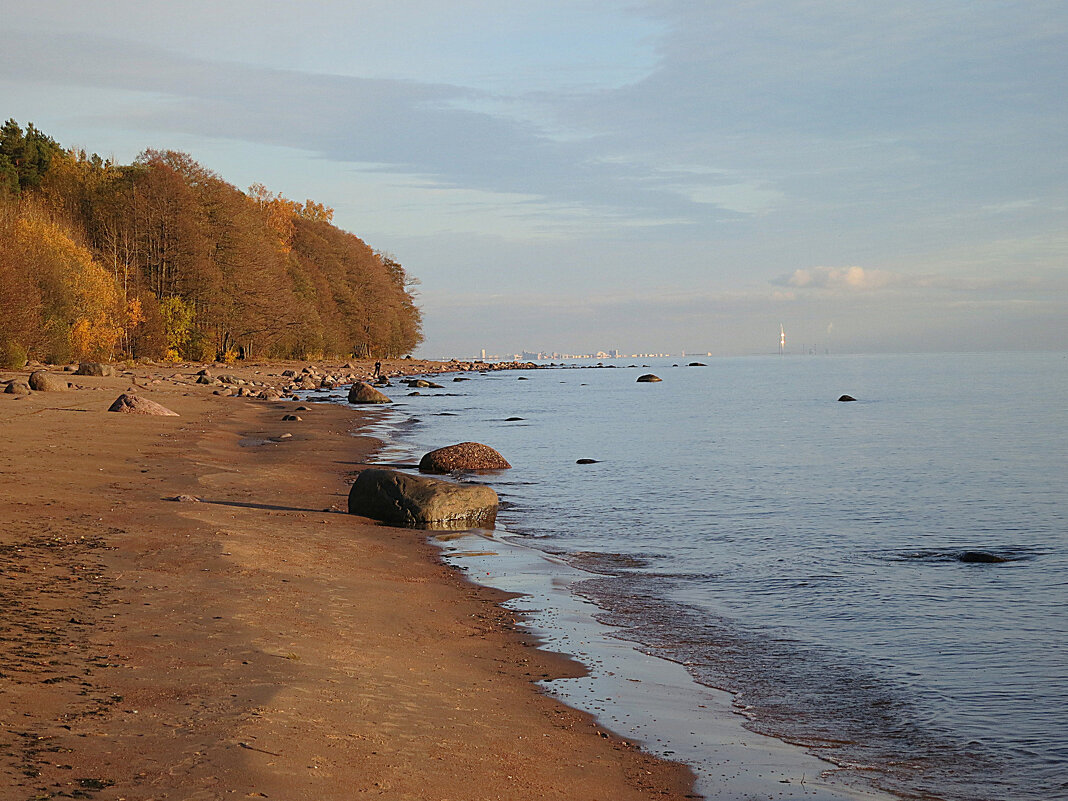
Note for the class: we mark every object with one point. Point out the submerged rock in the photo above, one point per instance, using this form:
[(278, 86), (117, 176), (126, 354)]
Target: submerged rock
[(980, 556), (463, 456), (365, 393), (128, 403), (649, 378), (846, 398), (421, 502), (586, 461)]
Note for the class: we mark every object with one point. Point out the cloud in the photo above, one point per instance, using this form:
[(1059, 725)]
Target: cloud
[(843, 279)]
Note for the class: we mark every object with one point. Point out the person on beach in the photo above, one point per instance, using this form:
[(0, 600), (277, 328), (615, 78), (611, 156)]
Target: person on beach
[(378, 369)]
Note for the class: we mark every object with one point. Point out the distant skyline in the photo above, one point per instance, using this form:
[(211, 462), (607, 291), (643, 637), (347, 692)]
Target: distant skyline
[(652, 175)]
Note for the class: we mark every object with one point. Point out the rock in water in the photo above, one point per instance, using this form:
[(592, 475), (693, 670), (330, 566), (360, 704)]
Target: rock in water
[(846, 398), (364, 393), (127, 403), (981, 556), (649, 378), (586, 461), (421, 502), (43, 381), (464, 456), (95, 368)]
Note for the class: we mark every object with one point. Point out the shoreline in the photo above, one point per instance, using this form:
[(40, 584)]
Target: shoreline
[(260, 641), (645, 698)]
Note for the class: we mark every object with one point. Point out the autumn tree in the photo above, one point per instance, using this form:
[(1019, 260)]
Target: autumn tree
[(163, 256)]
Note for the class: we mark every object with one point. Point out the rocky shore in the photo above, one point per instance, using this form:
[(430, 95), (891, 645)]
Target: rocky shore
[(188, 611)]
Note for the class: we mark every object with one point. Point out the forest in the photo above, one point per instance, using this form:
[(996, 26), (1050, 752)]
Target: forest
[(163, 259)]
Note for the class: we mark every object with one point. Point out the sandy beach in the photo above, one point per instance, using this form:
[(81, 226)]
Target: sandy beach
[(253, 640)]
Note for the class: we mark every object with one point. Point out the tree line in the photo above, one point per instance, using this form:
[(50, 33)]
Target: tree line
[(162, 258)]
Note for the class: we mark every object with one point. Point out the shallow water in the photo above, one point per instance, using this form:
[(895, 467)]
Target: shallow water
[(805, 554)]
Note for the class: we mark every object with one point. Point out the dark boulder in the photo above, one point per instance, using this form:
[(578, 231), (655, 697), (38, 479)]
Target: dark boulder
[(846, 399), (365, 393), (463, 456), (980, 556), (649, 378), (421, 502), (95, 368), (586, 461)]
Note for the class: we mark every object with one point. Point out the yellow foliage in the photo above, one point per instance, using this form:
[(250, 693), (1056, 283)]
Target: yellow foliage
[(178, 317), (88, 300), (135, 314)]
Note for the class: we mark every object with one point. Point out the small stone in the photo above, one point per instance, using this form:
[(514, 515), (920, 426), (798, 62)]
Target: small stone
[(17, 386), (129, 403)]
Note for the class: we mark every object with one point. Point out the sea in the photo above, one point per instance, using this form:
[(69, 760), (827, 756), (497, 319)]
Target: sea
[(882, 584)]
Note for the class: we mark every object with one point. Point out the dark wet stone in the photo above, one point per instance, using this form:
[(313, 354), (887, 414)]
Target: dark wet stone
[(648, 378), (846, 398), (421, 502), (586, 461), (981, 556)]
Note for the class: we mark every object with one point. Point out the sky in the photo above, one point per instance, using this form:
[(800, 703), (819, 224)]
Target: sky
[(648, 176)]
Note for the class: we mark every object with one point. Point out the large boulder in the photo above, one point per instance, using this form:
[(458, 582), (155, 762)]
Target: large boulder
[(95, 368), (846, 399), (463, 456), (649, 378), (128, 403), (43, 381), (412, 501), (365, 393)]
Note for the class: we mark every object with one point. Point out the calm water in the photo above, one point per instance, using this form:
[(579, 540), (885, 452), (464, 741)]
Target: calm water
[(804, 553)]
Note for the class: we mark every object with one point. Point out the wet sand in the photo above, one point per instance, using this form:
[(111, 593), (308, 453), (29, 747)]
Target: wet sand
[(256, 642)]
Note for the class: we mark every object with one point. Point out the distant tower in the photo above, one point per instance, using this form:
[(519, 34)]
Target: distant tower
[(782, 340), (483, 354)]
